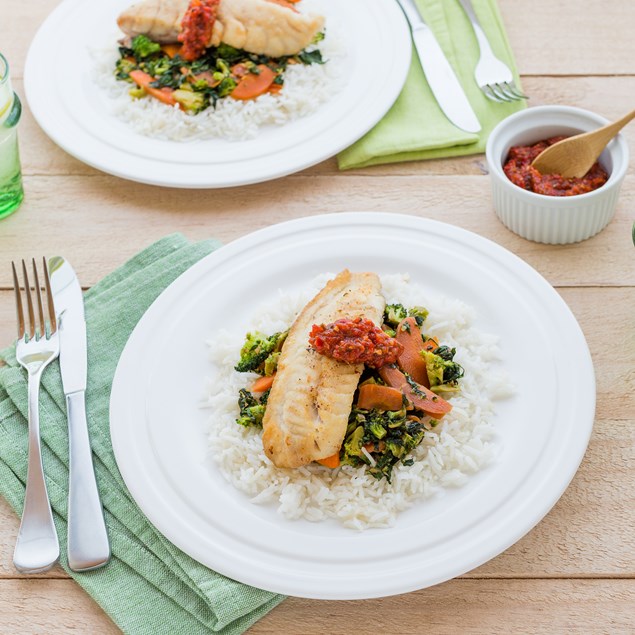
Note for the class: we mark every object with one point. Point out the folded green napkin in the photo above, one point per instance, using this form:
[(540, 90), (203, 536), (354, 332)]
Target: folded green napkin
[(415, 127), (149, 587)]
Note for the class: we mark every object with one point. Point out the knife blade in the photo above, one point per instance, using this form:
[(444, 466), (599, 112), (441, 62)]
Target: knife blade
[(88, 545), (439, 73)]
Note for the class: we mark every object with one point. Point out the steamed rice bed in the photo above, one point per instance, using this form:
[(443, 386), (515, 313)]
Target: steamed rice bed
[(461, 446)]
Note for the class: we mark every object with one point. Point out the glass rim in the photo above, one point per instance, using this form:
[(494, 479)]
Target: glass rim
[(5, 76)]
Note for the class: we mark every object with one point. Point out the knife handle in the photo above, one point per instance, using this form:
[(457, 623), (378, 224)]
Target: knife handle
[(88, 545)]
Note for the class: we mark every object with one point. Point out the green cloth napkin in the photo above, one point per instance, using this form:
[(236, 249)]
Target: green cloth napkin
[(149, 587), (415, 127)]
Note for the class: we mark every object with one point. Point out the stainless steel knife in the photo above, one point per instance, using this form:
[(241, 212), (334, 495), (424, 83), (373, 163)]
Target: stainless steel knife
[(439, 73), (88, 545)]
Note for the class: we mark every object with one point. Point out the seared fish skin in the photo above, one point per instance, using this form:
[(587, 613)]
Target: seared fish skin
[(257, 26), (311, 397)]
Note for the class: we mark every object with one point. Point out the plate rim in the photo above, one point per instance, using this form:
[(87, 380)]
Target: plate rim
[(360, 217)]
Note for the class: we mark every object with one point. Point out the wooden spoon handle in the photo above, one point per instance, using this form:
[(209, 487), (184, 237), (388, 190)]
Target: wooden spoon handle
[(605, 134)]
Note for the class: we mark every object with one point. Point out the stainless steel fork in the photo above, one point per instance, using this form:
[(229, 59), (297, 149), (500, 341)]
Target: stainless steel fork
[(37, 547), (494, 77)]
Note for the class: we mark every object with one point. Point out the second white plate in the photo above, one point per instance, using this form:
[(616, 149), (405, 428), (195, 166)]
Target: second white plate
[(73, 110)]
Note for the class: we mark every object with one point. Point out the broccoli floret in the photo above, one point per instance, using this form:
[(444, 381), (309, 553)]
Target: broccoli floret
[(377, 430), (251, 410), (394, 313), (256, 350), (226, 86), (419, 313), (318, 37), (159, 67), (442, 370), (271, 364), (142, 46), (353, 445), (396, 447), (123, 68), (191, 101)]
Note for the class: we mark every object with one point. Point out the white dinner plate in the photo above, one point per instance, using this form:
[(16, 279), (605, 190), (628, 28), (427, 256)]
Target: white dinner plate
[(74, 111), (158, 429)]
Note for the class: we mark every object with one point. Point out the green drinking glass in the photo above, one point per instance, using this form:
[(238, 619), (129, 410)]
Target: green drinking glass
[(11, 192)]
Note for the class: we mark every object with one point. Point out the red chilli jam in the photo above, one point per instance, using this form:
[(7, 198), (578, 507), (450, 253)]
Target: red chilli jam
[(355, 341), (196, 28), (519, 171)]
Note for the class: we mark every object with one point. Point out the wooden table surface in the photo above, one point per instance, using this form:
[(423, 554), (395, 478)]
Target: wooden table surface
[(574, 572)]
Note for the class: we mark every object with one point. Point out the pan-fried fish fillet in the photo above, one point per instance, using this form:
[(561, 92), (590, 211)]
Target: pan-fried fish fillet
[(311, 398), (257, 26)]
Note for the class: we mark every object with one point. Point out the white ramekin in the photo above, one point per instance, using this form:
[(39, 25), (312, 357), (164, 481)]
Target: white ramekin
[(553, 219)]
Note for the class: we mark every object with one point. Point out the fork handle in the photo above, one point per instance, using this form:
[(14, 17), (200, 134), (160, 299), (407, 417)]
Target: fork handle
[(37, 547), (88, 545), (483, 42)]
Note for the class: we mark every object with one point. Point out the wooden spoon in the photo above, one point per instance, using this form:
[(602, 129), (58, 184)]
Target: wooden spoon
[(574, 156)]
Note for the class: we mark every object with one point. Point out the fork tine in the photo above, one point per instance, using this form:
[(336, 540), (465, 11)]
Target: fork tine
[(489, 93), (18, 303), (38, 295), (506, 90), (512, 89), (496, 89), (49, 298), (502, 91), (29, 302)]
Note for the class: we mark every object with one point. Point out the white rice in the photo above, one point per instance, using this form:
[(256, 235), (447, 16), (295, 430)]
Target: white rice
[(306, 88), (460, 447)]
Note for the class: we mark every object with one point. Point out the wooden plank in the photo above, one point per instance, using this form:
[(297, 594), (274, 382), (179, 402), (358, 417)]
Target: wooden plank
[(469, 607), (588, 40), (569, 37), (35, 606), (42, 157), (99, 222)]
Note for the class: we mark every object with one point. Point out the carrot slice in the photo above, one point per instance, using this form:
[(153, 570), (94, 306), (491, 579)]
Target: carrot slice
[(171, 49), (162, 94), (252, 86), (418, 396), (332, 461), (262, 383), (380, 397), (410, 360)]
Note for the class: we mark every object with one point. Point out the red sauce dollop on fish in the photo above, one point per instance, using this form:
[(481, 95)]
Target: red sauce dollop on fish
[(519, 171), (196, 28), (355, 341)]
